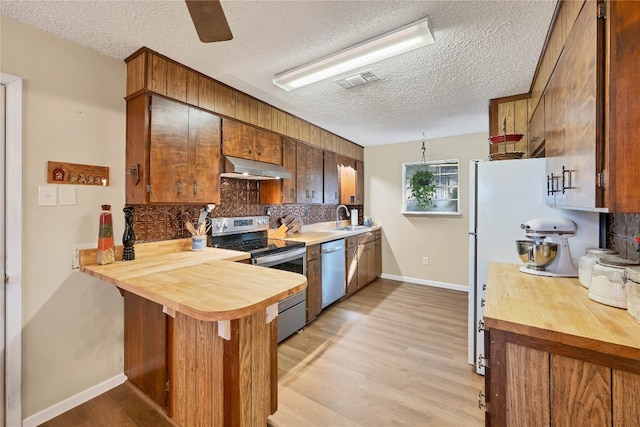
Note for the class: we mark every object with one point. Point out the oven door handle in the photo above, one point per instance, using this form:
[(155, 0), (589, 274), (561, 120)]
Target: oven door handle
[(269, 260)]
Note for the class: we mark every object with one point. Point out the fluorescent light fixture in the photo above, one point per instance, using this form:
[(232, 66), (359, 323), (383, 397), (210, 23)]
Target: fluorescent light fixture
[(401, 40)]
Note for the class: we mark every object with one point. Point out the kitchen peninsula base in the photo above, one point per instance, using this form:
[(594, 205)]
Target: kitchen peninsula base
[(200, 335)]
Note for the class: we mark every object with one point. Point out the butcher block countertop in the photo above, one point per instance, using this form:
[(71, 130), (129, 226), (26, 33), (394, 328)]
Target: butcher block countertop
[(314, 237), (204, 285), (558, 310)]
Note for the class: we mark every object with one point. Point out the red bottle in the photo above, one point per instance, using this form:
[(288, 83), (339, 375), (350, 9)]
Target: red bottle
[(106, 252)]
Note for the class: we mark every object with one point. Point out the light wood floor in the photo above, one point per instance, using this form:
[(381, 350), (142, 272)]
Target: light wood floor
[(394, 354)]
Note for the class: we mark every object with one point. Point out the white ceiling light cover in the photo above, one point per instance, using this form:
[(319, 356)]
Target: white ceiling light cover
[(401, 40)]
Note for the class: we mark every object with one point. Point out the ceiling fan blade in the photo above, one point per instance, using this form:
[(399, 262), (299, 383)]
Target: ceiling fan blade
[(209, 20)]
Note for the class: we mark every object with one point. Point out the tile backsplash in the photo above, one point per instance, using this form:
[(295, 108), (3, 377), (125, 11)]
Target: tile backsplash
[(620, 231), (238, 197)]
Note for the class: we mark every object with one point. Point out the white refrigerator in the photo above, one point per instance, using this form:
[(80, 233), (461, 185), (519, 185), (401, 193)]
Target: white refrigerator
[(503, 195)]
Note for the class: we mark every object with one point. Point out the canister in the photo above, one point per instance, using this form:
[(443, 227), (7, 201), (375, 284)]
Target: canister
[(606, 285), (631, 279), (588, 260)]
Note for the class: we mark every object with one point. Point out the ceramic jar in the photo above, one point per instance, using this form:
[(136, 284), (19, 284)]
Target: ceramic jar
[(631, 281), (588, 260)]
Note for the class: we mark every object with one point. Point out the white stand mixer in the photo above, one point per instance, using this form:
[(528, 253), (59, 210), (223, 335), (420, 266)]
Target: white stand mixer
[(544, 231)]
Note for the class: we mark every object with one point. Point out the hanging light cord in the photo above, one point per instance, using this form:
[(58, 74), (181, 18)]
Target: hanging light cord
[(424, 160)]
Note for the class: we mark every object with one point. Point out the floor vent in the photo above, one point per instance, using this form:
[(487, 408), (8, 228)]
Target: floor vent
[(358, 79)]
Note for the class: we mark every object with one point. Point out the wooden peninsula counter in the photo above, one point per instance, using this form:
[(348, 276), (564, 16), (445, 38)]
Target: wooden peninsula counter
[(199, 336)]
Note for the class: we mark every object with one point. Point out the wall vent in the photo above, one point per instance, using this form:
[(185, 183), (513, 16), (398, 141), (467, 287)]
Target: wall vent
[(357, 79)]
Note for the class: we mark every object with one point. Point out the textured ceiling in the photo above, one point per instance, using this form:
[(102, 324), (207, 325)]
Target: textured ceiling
[(482, 50)]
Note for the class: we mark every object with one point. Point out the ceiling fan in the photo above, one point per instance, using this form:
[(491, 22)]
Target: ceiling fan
[(209, 20)]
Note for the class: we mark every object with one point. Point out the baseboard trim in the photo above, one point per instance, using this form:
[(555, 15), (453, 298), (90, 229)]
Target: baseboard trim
[(76, 400), (451, 286)]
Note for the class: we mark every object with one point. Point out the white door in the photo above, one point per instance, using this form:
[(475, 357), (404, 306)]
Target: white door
[(3, 245)]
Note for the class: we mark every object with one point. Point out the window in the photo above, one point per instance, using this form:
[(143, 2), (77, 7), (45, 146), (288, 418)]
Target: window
[(442, 199)]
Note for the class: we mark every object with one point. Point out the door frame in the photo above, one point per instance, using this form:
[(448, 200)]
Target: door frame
[(13, 208)]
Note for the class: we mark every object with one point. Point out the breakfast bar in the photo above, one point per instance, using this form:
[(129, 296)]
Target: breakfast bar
[(199, 338)]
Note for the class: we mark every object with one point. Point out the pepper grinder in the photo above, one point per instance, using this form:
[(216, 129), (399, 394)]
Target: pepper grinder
[(128, 238)]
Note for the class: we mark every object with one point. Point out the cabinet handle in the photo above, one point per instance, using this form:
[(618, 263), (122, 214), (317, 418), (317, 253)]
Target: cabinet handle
[(307, 194), (481, 401), (566, 179), (259, 153), (552, 181), (335, 195), (313, 194), (179, 187), (481, 326)]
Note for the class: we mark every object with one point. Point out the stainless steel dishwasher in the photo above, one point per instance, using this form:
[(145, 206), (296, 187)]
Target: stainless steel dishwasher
[(333, 271)]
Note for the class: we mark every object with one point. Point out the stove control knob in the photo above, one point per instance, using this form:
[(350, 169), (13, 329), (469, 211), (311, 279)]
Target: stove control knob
[(219, 225)]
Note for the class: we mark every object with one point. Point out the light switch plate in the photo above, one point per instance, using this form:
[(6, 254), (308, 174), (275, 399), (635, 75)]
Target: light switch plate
[(47, 195), (68, 195)]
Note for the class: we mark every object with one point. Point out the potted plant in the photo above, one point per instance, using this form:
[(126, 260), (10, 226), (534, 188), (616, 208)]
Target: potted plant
[(422, 187)]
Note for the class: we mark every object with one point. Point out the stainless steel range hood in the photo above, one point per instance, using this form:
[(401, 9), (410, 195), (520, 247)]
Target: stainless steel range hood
[(235, 167)]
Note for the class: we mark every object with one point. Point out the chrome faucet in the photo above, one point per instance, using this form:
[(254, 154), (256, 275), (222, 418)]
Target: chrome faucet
[(337, 211)]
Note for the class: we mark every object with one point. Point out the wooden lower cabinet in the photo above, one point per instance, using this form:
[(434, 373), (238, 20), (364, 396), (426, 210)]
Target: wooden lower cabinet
[(364, 260), (200, 378), (533, 382), (314, 282)]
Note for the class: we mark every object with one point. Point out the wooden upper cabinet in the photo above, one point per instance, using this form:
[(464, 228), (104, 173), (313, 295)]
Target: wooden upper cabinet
[(193, 89), (331, 193), (176, 150), (176, 81), (157, 78), (574, 130), (204, 157), (168, 151), (247, 142), (537, 136), (225, 100), (359, 182), (206, 93), (265, 116), (289, 153), (309, 174), (246, 108)]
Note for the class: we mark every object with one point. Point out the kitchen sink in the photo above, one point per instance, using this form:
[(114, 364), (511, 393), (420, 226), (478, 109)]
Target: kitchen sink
[(352, 228)]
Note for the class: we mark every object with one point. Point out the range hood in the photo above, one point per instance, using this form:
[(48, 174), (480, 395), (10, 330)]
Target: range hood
[(235, 167)]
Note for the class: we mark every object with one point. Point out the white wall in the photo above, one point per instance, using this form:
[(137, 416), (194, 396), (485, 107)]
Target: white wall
[(409, 238), (73, 111)]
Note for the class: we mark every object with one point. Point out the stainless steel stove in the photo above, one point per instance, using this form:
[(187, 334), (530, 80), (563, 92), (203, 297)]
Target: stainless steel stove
[(250, 234)]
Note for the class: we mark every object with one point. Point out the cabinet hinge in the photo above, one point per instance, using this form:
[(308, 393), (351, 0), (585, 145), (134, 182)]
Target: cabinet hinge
[(600, 179), (6, 279), (148, 188), (483, 362), (602, 10)]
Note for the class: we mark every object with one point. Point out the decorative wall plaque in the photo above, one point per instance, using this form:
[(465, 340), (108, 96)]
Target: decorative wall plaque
[(72, 173)]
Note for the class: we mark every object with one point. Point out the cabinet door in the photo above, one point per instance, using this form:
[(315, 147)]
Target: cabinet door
[(359, 182), (537, 132), (352, 269), (314, 288), (378, 257), (267, 147), (237, 140), (347, 180), (626, 399), (309, 174), (204, 157), (527, 381), (574, 129), (330, 177), (580, 393), (289, 163), (168, 151), (145, 346)]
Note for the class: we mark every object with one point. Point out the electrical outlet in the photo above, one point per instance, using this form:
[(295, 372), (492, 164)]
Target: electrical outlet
[(425, 260)]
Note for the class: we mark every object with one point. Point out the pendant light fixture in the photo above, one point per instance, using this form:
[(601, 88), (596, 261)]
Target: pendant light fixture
[(401, 40)]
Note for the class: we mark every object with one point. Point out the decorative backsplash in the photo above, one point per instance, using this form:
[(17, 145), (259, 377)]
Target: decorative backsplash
[(620, 231), (238, 197)]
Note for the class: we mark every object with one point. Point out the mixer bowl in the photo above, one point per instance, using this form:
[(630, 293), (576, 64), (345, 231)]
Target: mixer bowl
[(536, 255)]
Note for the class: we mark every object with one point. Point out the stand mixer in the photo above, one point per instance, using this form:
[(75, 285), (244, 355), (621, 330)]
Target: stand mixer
[(547, 253)]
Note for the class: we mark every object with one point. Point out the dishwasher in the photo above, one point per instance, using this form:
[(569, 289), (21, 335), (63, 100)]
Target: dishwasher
[(333, 271)]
